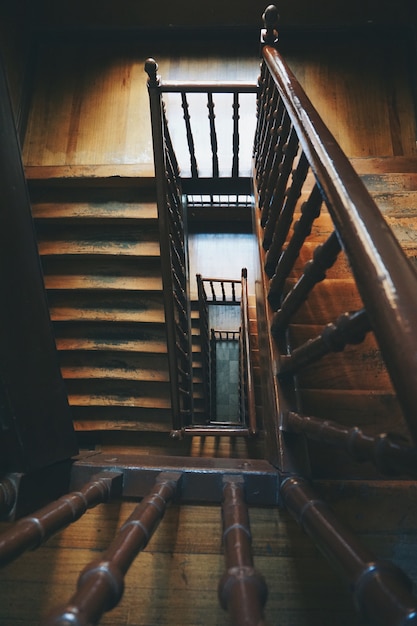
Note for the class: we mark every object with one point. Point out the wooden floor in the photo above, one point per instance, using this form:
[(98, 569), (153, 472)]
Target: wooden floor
[(90, 111)]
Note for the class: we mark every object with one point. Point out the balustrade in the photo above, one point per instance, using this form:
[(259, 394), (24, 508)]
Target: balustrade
[(242, 590), (292, 138), (100, 585)]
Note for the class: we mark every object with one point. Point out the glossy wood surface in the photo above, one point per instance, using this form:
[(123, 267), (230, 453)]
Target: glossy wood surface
[(90, 104)]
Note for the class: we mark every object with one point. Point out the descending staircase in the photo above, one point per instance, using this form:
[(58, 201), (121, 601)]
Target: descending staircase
[(100, 255), (99, 250), (353, 387)]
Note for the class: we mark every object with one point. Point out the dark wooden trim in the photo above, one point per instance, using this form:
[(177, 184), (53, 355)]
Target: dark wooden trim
[(35, 418), (385, 279), (202, 478)]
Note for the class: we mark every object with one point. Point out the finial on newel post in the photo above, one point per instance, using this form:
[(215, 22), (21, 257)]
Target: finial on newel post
[(151, 68), (269, 34)]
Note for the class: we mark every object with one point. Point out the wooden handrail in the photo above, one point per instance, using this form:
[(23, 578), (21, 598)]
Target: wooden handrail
[(214, 86), (386, 280), (387, 454), (33, 530), (174, 258), (101, 583), (242, 590), (381, 591)]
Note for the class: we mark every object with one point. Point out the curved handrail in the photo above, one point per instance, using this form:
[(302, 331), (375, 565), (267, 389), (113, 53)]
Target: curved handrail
[(386, 280)]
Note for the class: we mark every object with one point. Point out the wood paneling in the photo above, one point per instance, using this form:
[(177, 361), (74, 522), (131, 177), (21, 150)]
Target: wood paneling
[(90, 105)]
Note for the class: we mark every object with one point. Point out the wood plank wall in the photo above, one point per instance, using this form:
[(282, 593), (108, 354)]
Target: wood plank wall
[(90, 103)]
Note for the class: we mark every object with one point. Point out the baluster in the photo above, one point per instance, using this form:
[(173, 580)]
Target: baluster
[(100, 585), (277, 135), (242, 590), (236, 140), (273, 138), (350, 329), (266, 112), (223, 291), (387, 454), (190, 139), (286, 215), (31, 531), (381, 591), (175, 256), (168, 141), (213, 135), (289, 151), (302, 229), (233, 292), (213, 392), (315, 271), (213, 293), (260, 104)]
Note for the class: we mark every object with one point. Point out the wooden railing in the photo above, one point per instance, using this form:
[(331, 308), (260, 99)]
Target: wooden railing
[(212, 168), (228, 292), (172, 221), (292, 139), (100, 585), (292, 143)]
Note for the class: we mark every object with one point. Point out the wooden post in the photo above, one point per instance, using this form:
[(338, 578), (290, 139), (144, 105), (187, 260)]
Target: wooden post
[(242, 590)]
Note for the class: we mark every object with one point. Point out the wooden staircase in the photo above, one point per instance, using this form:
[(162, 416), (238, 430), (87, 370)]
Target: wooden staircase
[(99, 250), (353, 387)]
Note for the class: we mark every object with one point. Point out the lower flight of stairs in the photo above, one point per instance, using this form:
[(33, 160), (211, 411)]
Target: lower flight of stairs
[(353, 387), (99, 249)]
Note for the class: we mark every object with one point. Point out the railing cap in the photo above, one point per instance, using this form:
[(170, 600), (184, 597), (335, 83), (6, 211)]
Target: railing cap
[(151, 68), (269, 34)]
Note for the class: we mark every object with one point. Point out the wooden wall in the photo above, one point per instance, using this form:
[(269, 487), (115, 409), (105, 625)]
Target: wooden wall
[(90, 103)]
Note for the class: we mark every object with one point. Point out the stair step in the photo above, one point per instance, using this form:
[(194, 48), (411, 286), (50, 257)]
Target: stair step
[(141, 338), (100, 265), (384, 165), (98, 314), (118, 392), (142, 421), (117, 366), (103, 248), (373, 410), (98, 211), (141, 282)]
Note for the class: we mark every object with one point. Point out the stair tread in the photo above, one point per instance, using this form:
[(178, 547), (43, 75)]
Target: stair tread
[(157, 402), (99, 248), (86, 344), (116, 373), (84, 425), (142, 282), (387, 164), (98, 314), (96, 211)]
